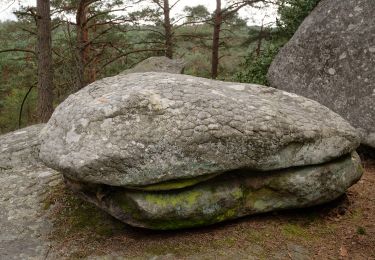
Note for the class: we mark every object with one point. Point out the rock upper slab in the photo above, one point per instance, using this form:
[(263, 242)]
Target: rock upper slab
[(331, 59), (146, 128)]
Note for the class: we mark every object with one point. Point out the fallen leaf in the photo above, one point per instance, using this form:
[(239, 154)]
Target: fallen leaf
[(343, 251)]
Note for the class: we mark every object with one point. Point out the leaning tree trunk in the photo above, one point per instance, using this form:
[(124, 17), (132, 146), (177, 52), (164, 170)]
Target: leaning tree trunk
[(82, 43), (44, 58), (168, 30), (216, 40)]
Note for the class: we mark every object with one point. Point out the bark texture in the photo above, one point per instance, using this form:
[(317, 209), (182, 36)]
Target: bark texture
[(44, 53), (168, 30), (82, 43), (216, 40)]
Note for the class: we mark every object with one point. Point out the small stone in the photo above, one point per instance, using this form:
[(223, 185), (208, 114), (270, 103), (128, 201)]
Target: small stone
[(332, 71)]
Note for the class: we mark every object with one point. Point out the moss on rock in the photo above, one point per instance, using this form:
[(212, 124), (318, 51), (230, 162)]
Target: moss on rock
[(225, 197)]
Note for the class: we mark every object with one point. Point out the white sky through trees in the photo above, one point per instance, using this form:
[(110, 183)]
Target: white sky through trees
[(255, 16)]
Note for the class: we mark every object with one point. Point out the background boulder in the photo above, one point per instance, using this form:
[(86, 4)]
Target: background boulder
[(331, 59), (158, 64)]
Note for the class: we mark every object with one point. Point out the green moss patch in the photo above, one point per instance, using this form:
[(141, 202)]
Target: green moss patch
[(173, 185)]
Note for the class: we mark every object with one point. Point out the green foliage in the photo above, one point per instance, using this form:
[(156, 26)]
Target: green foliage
[(11, 107), (196, 13), (17, 73), (292, 13), (257, 65), (361, 231), (245, 52), (257, 62)]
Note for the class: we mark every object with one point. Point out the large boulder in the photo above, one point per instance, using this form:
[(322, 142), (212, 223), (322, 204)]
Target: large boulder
[(331, 59), (158, 64), (160, 133)]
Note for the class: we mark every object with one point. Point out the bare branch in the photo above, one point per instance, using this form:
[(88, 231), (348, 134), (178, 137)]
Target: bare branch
[(18, 50)]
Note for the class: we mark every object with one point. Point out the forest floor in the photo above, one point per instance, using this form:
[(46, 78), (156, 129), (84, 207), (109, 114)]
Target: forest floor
[(343, 229)]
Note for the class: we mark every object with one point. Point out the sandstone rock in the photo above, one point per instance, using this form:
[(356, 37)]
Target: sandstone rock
[(20, 148), (168, 151), (24, 185), (158, 64), (228, 196), (141, 129), (331, 59)]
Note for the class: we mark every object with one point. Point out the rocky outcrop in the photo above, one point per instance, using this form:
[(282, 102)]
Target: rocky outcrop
[(20, 148), (136, 144), (24, 185), (158, 64), (331, 59)]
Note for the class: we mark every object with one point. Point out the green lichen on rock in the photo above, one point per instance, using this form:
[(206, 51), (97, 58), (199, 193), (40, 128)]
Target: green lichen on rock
[(225, 197), (173, 185)]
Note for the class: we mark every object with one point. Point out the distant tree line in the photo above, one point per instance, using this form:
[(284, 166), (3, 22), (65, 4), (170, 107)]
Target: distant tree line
[(57, 47)]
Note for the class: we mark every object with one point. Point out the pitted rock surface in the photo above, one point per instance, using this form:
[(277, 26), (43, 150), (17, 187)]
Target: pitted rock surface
[(331, 59), (158, 64), (24, 184), (142, 129)]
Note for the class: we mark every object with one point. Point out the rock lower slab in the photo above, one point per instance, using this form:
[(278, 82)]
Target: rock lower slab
[(331, 59), (228, 196), (149, 128)]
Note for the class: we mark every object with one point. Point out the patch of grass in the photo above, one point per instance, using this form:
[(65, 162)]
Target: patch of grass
[(293, 231), (74, 218), (361, 231), (357, 215), (254, 236)]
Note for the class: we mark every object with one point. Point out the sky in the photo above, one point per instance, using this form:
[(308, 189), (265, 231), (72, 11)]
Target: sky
[(254, 16)]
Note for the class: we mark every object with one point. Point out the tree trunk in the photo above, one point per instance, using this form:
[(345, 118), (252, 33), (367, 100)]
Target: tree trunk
[(82, 43), (216, 40), (168, 30), (92, 74), (44, 56), (260, 38)]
